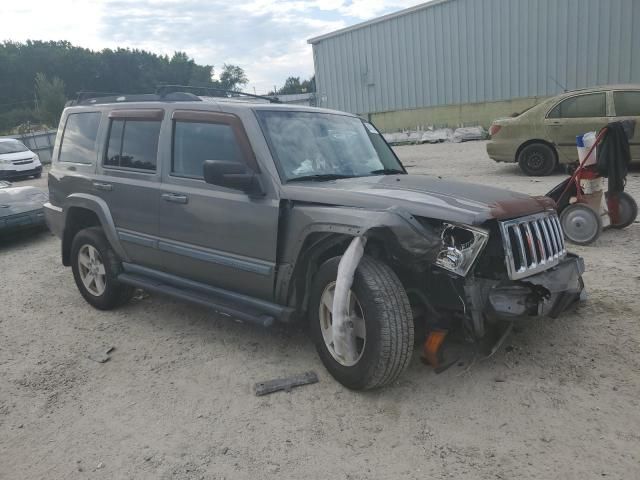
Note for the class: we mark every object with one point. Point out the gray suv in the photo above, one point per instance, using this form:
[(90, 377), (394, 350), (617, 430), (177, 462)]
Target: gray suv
[(249, 207)]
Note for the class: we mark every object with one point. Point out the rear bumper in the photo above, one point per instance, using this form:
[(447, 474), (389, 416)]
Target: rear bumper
[(501, 152), (548, 293), (54, 216), (34, 218), (20, 173)]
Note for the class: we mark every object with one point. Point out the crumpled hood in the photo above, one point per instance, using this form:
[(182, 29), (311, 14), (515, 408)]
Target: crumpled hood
[(421, 195), (14, 200)]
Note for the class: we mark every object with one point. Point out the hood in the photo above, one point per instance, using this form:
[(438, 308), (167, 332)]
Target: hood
[(26, 155), (421, 195), (14, 200)]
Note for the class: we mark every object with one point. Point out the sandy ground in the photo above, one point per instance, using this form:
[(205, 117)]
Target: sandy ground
[(560, 400)]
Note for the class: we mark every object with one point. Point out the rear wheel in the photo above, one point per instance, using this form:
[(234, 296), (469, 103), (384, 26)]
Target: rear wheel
[(95, 268), (537, 160), (381, 322), (581, 224), (627, 210)]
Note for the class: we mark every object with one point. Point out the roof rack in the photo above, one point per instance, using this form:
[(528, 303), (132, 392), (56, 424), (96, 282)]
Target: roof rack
[(93, 98), (163, 90)]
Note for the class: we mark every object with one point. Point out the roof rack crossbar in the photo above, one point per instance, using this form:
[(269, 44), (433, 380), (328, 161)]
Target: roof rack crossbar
[(166, 89)]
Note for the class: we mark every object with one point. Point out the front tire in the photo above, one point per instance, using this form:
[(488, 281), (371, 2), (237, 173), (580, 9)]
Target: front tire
[(537, 160), (95, 269), (383, 325)]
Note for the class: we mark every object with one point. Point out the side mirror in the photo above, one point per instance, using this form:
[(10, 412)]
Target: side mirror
[(234, 175)]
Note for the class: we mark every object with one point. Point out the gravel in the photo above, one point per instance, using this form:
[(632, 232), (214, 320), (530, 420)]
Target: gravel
[(175, 399)]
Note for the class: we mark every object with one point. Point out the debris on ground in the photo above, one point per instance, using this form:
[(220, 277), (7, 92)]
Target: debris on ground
[(101, 356), (435, 135), (286, 384)]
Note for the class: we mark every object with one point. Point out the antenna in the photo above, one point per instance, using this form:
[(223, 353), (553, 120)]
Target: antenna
[(564, 89)]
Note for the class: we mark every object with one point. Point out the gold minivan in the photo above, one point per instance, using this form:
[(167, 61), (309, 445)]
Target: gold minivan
[(544, 136)]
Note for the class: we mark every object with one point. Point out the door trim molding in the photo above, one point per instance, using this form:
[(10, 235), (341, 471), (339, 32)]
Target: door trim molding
[(198, 253)]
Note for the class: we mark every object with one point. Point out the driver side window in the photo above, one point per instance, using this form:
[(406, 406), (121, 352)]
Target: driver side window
[(582, 106), (195, 142)]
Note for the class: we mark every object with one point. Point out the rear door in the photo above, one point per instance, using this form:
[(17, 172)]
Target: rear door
[(128, 180), (574, 116), (627, 107), (212, 234)]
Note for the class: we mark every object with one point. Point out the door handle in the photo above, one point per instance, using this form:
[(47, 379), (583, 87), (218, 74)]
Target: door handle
[(175, 198), (107, 187)]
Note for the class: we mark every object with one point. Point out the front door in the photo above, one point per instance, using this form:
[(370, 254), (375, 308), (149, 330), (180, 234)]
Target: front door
[(627, 107), (213, 234), (574, 116)]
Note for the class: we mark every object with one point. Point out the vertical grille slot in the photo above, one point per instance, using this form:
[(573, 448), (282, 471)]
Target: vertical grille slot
[(532, 244)]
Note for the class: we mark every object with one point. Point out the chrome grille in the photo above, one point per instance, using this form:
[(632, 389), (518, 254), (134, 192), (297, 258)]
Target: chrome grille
[(22, 161), (532, 244)]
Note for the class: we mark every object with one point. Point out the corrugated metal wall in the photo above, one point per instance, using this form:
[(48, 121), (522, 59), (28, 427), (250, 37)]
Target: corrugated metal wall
[(467, 51)]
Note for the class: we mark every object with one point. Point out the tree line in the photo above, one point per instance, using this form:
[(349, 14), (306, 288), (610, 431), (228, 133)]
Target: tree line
[(37, 77)]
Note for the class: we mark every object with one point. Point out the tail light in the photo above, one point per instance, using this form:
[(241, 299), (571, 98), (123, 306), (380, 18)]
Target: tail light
[(494, 129)]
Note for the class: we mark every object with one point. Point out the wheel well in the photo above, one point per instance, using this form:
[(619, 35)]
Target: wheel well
[(317, 249), (537, 140), (77, 219)]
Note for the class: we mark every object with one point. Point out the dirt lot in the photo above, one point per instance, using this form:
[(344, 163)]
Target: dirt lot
[(560, 400)]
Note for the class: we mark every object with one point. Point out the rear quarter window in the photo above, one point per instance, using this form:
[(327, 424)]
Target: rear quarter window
[(78, 143)]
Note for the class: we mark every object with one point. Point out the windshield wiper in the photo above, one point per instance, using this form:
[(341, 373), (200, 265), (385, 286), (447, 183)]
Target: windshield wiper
[(320, 177), (387, 171)]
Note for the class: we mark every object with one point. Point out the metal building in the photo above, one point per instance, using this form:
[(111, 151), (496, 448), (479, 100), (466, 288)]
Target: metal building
[(468, 61)]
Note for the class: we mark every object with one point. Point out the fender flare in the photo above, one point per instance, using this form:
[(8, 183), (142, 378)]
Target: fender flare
[(407, 239), (101, 209)]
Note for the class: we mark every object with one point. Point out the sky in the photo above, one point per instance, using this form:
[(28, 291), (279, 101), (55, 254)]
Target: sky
[(267, 38)]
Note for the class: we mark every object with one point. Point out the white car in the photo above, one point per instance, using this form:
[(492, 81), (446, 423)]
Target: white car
[(16, 160)]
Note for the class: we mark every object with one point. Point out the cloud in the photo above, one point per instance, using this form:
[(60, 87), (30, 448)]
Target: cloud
[(266, 37)]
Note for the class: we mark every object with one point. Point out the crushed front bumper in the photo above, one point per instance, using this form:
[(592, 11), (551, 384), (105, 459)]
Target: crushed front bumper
[(548, 293)]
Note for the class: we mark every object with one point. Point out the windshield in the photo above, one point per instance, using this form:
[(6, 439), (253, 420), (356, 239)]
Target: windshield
[(311, 145), (12, 146)]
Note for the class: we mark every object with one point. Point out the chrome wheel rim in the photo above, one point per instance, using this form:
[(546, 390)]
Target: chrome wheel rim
[(91, 269), (356, 325)]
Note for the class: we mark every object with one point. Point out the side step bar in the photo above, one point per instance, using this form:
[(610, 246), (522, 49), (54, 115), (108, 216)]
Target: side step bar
[(244, 308)]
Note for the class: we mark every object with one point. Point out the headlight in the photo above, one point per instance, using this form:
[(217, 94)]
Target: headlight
[(4, 162), (461, 245)]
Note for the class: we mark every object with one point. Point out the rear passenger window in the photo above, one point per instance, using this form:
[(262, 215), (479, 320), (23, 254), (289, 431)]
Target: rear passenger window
[(583, 106), (194, 142), (79, 138), (133, 144), (627, 104)]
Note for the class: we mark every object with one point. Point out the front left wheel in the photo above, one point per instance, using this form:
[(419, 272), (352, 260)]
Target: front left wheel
[(95, 268), (381, 324)]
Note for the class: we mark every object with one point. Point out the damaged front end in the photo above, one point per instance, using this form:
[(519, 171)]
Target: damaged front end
[(523, 271)]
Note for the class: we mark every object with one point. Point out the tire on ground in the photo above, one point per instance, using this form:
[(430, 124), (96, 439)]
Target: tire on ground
[(388, 324), (115, 293), (537, 159)]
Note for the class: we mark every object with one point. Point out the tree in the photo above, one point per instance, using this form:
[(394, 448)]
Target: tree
[(50, 99), (293, 85), (232, 77)]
